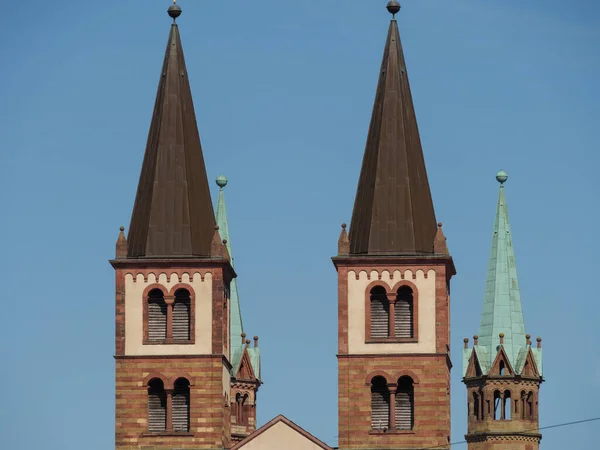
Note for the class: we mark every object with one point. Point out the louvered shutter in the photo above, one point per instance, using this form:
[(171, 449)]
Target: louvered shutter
[(380, 313), (181, 319), (403, 314), (157, 410), (157, 319), (181, 408), (380, 407), (404, 409)]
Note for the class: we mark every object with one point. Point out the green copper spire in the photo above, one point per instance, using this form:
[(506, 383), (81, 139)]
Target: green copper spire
[(235, 328), (502, 310)]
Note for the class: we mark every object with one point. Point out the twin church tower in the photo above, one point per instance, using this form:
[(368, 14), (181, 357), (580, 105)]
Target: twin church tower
[(187, 375)]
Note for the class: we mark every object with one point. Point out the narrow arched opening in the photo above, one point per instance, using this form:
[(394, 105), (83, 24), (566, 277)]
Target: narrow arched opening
[(380, 404), (403, 313), (181, 405), (405, 404), (380, 313), (157, 406), (157, 316), (507, 406), (181, 315)]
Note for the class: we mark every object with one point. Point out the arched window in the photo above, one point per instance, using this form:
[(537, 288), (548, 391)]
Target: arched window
[(181, 405), (476, 401), (497, 405), (523, 405), (380, 404), (380, 313), (530, 406), (507, 406), (181, 315), (157, 316), (502, 368), (241, 413), (404, 407), (403, 313), (157, 406)]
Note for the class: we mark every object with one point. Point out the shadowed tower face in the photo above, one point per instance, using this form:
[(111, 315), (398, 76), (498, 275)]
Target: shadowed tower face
[(173, 284), (502, 371), (394, 272)]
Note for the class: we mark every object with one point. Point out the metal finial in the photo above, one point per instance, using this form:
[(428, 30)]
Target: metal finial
[(221, 181), (393, 7), (501, 177), (174, 11)]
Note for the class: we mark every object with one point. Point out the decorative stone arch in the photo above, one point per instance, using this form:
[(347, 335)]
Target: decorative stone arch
[(154, 375), (379, 373), (409, 374), (184, 375)]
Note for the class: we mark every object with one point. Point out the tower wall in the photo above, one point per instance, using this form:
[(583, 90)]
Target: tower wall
[(424, 358), (203, 361)]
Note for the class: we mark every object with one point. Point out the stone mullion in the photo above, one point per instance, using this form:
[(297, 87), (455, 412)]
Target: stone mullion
[(392, 387), (392, 317), (169, 300), (169, 409)]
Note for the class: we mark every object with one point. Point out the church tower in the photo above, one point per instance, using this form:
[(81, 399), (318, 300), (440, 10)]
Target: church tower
[(502, 371), (394, 274), (173, 281)]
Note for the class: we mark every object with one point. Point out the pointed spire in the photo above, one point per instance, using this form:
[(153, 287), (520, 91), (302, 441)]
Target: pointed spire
[(502, 321), (236, 327), (393, 210), (173, 214)]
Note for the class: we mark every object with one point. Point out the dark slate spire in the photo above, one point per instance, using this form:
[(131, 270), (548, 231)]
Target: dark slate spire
[(173, 214), (393, 211)]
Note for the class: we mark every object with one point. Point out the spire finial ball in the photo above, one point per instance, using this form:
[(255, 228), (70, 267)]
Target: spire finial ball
[(122, 228), (344, 226), (501, 177), (174, 11), (393, 7), (221, 181)]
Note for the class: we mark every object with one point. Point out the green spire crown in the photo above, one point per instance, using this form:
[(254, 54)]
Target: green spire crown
[(502, 309)]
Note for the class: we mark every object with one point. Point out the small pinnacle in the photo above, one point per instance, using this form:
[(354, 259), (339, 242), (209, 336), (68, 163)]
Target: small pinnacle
[(344, 226), (221, 181), (501, 177), (247, 341), (528, 336), (122, 228), (465, 340), (256, 338), (501, 335), (217, 227), (440, 224), (224, 241), (393, 7), (174, 11)]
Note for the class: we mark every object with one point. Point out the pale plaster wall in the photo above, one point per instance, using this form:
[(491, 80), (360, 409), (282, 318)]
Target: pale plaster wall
[(357, 312), (280, 436), (134, 318)]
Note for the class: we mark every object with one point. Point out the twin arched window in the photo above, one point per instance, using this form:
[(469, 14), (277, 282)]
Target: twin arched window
[(392, 408), (392, 318), (169, 318), (168, 410)]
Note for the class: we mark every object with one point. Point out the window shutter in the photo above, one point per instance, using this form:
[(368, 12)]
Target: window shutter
[(157, 410), (157, 319), (181, 319), (404, 410), (181, 407), (380, 406), (403, 314), (380, 313)]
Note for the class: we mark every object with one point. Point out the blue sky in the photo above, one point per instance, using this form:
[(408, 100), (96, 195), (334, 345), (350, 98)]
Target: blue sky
[(283, 94)]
